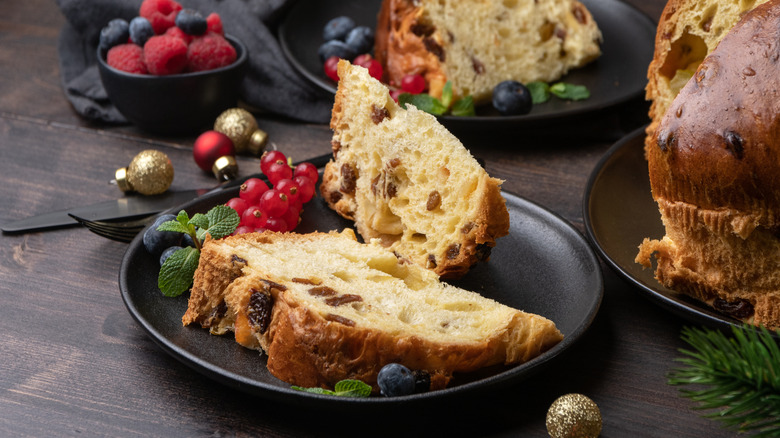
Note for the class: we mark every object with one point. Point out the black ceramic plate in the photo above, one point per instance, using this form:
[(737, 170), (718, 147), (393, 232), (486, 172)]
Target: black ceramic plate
[(543, 266), (619, 213), (617, 76)]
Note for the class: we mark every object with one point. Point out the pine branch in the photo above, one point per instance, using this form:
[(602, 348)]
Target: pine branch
[(739, 376)]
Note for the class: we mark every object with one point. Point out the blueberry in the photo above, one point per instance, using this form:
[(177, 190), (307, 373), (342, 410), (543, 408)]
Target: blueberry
[(157, 241), (338, 28), (361, 39), (336, 48), (140, 30), (191, 22), (116, 32), (167, 253), (395, 380), (186, 240), (511, 98)]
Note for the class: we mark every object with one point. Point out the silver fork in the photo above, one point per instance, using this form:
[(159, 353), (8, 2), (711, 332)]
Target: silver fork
[(120, 231)]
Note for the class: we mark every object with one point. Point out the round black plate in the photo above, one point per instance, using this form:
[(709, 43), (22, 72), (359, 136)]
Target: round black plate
[(619, 75), (544, 266), (619, 212)]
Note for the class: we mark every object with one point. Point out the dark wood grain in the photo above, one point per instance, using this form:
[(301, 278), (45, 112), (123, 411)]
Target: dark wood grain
[(76, 364)]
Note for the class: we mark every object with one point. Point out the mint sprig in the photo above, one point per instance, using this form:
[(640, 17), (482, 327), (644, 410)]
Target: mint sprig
[(344, 388), (176, 273), (541, 91), (439, 107)]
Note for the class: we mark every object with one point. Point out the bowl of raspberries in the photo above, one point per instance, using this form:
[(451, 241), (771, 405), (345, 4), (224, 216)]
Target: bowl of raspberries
[(170, 70)]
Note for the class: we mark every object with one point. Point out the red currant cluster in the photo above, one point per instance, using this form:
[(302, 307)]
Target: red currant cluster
[(276, 208), (412, 83)]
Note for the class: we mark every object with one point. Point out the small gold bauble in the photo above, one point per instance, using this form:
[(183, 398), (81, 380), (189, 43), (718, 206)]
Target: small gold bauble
[(257, 142), (150, 173), (239, 125), (574, 416)]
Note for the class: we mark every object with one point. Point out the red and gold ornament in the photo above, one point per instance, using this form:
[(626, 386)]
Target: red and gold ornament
[(214, 152)]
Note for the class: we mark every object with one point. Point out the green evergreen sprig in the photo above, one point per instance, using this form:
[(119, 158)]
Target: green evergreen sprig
[(739, 376)]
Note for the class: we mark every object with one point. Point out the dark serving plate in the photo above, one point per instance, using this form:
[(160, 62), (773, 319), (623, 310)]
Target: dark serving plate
[(619, 75), (543, 266), (619, 212)]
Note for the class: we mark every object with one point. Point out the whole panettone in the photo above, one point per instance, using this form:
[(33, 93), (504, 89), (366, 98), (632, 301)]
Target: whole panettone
[(714, 165), (477, 44)]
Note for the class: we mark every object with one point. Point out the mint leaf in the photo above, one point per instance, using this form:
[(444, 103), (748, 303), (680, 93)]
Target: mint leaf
[(352, 388), (183, 218), (200, 220), (540, 91), (344, 388), (172, 226), (570, 91), (463, 107), (314, 390), (446, 95), (423, 102), (222, 221), (176, 273)]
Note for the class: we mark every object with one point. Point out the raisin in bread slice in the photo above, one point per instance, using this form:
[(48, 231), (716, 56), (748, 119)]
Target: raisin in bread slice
[(325, 307), (406, 180), (688, 31), (477, 44)]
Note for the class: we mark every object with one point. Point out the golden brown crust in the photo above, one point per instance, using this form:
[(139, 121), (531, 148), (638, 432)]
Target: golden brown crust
[(713, 167), (688, 30)]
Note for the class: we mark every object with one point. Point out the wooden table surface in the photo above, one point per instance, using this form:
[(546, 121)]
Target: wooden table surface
[(77, 364)]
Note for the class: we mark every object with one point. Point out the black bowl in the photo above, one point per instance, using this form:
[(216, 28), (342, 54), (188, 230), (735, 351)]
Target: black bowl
[(185, 103)]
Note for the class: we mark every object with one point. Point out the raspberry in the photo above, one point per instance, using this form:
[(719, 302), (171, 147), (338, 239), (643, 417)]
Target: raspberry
[(209, 52), (165, 55), (178, 33), (214, 22), (161, 13), (127, 57)]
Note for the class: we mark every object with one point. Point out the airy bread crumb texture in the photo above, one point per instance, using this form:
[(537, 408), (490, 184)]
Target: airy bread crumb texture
[(477, 44), (326, 307), (407, 181)]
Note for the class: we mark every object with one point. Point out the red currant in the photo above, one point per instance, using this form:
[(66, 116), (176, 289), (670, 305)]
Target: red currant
[(414, 84), (331, 68), (307, 169), (394, 93), (274, 203), (237, 204), (278, 171), (242, 230), (270, 157), (305, 188), (289, 188), (254, 217), (291, 217), (251, 190), (363, 60), (374, 67), (276, 224)]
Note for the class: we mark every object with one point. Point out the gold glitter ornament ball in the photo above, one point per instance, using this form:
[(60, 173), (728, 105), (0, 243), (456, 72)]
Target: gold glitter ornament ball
[(239, 125), (574, 416), (150, 172)]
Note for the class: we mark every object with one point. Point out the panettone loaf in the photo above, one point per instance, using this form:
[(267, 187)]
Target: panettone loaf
[(406, 180), (477, 44), (714, 166), (325, 307), (688, 31)]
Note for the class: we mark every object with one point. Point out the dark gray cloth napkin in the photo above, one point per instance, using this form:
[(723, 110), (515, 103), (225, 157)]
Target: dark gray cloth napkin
[(271, 83)]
